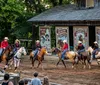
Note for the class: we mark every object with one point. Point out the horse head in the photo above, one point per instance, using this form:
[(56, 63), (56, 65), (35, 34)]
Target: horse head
[(44, 50), (56, 50), (23, 50), (90, 50)]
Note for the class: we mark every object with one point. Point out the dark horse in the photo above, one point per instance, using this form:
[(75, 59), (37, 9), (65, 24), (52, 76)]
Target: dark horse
[(83, 57), (7, 55), (71, 55)]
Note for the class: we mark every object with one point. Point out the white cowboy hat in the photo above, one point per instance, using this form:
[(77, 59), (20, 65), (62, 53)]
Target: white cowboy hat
[(6, 38), (17, 41), (95, 42), (64, 41), (79, 42), (37, 41)]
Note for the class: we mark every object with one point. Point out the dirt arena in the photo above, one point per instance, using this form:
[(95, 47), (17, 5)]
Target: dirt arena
[(60, 75)]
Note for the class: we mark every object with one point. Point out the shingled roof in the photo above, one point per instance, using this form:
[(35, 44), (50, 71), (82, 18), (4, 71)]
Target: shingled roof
[(68, 13)]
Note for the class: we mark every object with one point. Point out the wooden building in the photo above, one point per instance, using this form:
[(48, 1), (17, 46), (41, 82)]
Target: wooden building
[(81, 20)]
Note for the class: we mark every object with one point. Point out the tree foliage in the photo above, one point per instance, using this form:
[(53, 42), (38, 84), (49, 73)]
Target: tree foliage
[(15, 13)]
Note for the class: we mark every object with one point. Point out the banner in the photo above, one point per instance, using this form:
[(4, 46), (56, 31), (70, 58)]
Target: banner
[(98, 35), (80, 34), (45, 37), (62, 33)]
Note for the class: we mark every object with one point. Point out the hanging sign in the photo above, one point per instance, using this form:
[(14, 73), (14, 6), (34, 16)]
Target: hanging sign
[(45, 37), (62, 33), (98, 35), (80, 34)]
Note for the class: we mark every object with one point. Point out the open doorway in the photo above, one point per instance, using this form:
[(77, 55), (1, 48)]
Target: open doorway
[(91, 35), (71, 37)]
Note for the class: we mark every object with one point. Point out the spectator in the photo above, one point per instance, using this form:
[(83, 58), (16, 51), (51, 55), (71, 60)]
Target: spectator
[(21, 82), (25, 82), (36, 80), (6, 80), (45, 81)]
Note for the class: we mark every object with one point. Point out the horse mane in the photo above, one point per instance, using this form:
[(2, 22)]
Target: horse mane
[(57, 50)]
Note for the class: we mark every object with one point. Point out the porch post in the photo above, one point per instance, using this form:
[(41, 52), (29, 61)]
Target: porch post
[(33, 36)]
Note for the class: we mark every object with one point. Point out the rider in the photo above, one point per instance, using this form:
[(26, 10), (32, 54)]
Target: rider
[(4, 45), (37, 48), (96, 48), (16, 45), (81, 47), (64, 49)]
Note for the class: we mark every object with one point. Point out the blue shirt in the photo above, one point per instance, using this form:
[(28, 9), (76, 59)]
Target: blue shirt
[(36, 81)]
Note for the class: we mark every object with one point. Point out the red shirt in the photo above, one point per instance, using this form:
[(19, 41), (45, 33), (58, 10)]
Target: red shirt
[(4, 44), (65, 46)]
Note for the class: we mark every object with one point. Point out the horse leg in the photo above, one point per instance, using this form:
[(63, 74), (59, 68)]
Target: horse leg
[(89, 63), (97, 61), (84, 63), (58, 62), (6, 66), (63, 63), (33, 60), (38, 64), (15, 64), (11, 63)]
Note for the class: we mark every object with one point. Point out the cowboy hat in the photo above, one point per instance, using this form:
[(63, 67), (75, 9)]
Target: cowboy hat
[(37, 41), (79, 42), (17, 40), (95, 42), (6, 38), (64, 41)]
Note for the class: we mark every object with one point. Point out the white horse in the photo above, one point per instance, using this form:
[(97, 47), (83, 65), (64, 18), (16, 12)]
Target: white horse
[(97, 56), (17, 57)]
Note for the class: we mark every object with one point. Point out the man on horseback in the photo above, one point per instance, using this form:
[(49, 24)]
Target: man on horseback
[(80, 48), (4, 45), (37, 48), (96, 48), (64, 49), (16, 46)]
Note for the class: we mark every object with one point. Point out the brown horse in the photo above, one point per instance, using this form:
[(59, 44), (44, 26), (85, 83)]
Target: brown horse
[(5, 57), (39, 57), (71, 55)]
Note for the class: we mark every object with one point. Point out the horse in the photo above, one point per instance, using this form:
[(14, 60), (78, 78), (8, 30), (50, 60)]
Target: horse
[(39, 57), (17, 57), (97, 56), (83, 57), (6, 56), (71, 55)]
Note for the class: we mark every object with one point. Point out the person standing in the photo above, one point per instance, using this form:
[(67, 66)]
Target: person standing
[(6, 80), (36, 80), (64, 49)]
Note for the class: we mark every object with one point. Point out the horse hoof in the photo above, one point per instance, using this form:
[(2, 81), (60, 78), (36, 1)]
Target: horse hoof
[(84, 67), (72, 67), (15, 70), (89, 67)]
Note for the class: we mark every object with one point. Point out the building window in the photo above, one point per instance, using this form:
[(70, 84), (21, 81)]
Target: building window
[(89, 3)]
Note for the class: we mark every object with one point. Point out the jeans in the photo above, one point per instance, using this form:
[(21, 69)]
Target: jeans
[(35, 53), (63, 54), (94, 52), (79, 51), (1, 50)]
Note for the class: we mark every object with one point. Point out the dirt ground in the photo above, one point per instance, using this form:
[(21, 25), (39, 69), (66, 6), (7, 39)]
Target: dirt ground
[(61, 75)]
